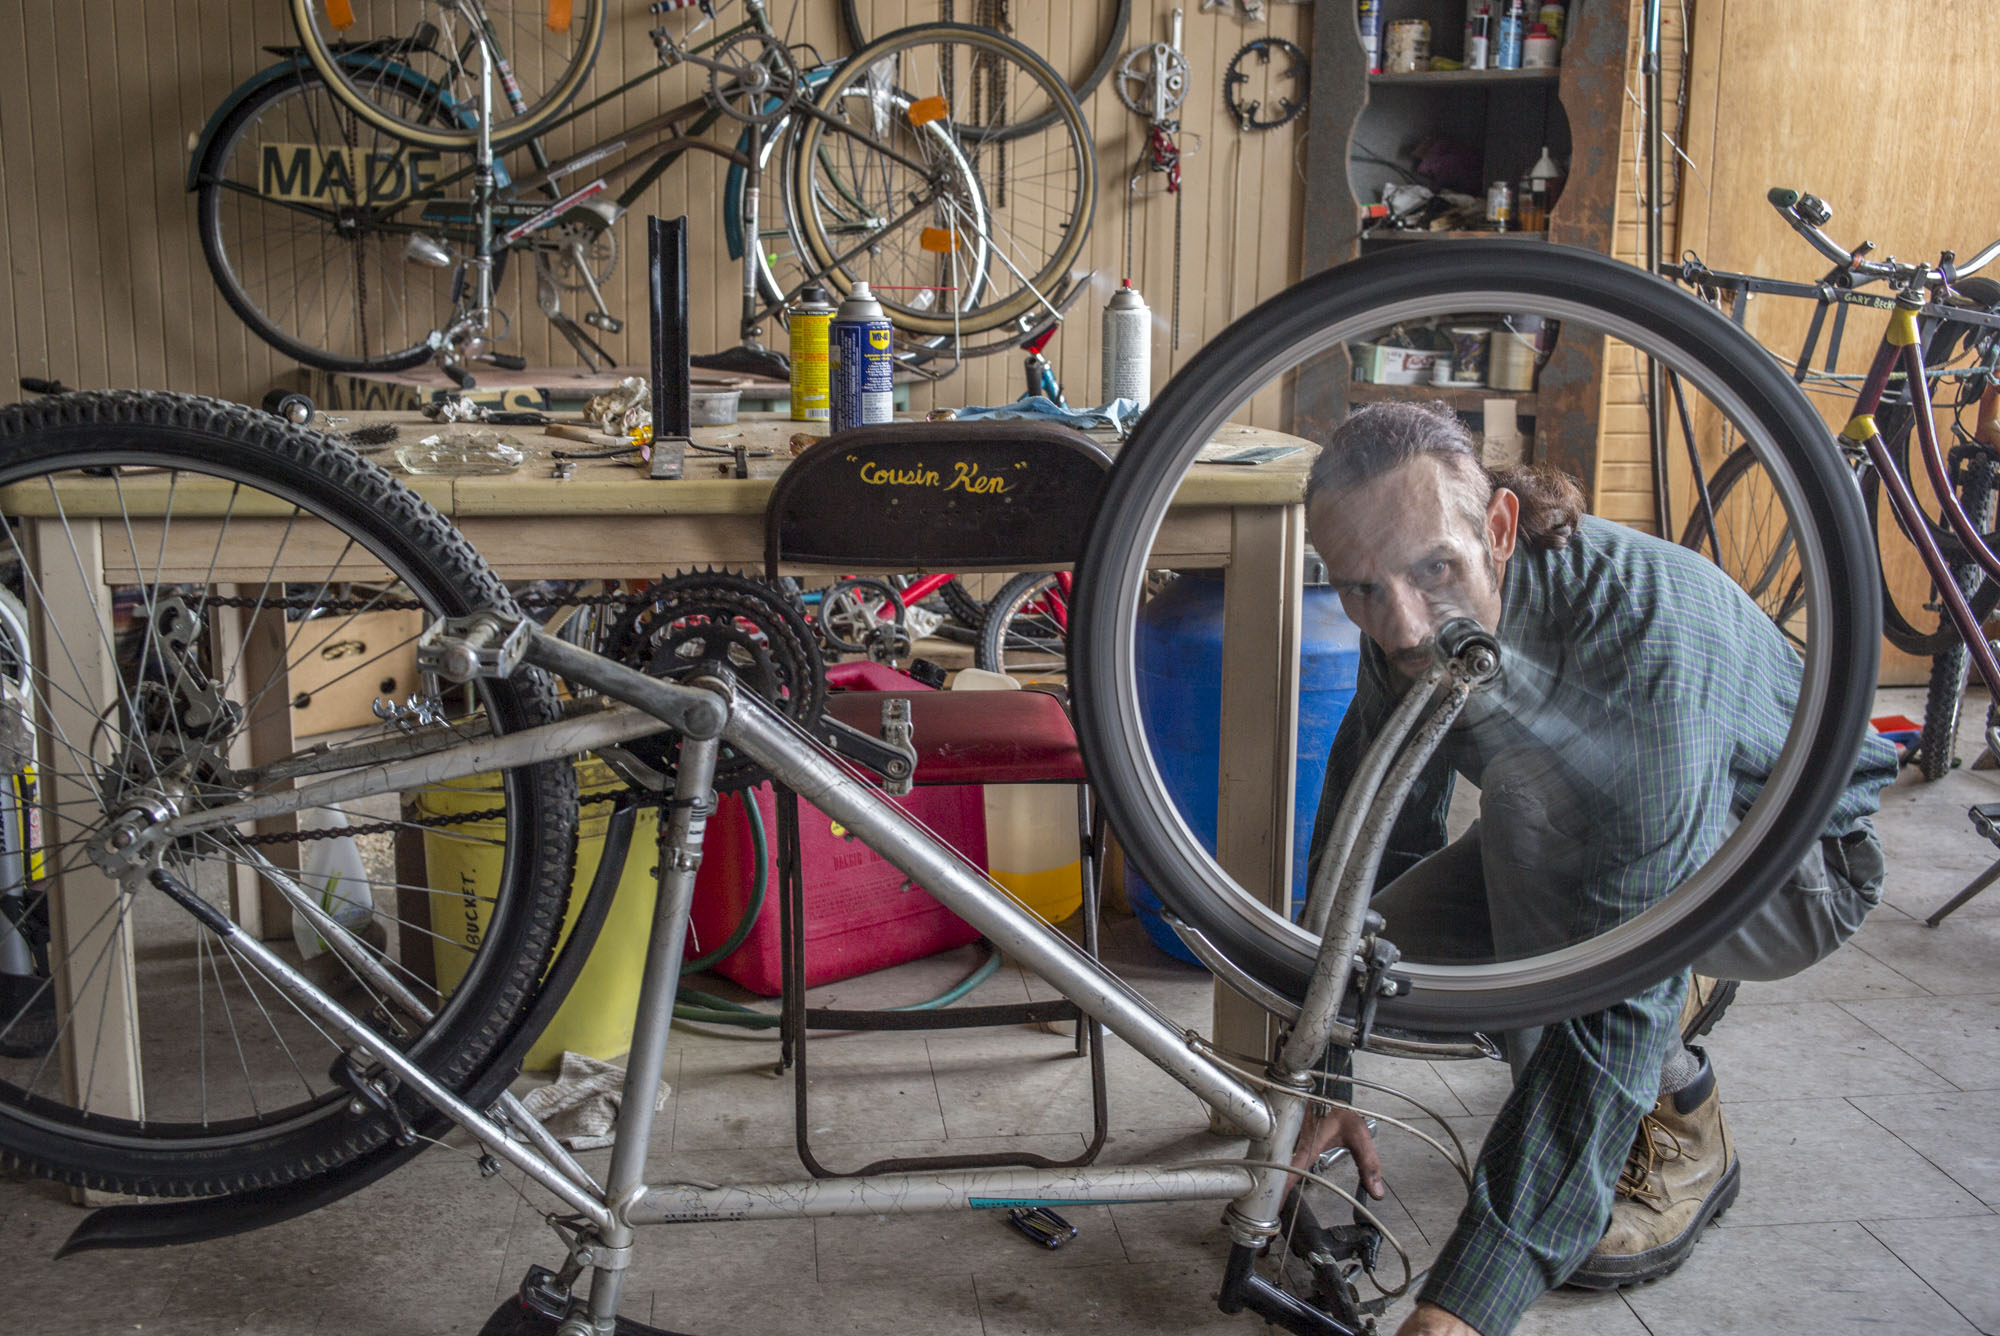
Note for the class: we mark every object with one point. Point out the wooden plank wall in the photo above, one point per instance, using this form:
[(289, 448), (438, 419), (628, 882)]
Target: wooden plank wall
[(1874, 109), (1623, 488), (106, 285)]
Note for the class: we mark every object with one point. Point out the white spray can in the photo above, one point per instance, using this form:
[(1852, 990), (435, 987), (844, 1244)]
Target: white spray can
[(1128, 347)]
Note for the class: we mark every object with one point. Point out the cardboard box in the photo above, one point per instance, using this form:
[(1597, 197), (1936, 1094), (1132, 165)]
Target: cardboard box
[(1382, 365), (339, 666)]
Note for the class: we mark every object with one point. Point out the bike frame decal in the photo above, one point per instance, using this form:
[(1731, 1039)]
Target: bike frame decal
[(553, 212)]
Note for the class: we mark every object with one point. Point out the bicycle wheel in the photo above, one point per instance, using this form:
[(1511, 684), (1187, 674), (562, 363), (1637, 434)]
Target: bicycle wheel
[(1026, 633), (1755, 539), (1095, 61), (1602, 959), (903, 179), (316, 262), (369, 50), (218, 533), (1937, 748)]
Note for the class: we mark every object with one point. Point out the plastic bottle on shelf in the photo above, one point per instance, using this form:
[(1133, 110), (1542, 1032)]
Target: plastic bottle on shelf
[(1551, 16), (1538, 49), (1507, 45), (1371, 34), (1479, 38)]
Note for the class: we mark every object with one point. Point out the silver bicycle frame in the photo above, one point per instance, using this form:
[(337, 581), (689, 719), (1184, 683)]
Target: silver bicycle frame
[(708, 713)]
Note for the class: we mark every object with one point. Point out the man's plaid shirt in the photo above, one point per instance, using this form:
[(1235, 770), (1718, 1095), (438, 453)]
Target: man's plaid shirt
[(1656, 697)]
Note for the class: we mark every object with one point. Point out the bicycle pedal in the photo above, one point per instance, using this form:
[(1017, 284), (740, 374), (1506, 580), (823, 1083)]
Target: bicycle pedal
[(610, 324)]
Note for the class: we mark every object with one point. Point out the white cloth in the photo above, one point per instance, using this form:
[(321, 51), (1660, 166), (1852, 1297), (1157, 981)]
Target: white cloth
[(580, 1107)]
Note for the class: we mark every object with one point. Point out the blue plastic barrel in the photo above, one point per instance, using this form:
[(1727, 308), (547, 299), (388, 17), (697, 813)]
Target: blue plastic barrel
[(1180, 697)]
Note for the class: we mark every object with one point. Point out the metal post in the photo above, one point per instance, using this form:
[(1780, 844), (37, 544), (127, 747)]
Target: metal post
[(1656, 407), (667, 250)]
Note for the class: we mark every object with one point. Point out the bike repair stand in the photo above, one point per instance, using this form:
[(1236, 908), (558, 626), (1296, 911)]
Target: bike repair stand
[(1986, 821), (1355, 967), (667, 256)]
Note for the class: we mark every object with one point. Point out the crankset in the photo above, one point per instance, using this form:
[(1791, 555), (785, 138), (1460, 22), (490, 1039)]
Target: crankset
[(694, 622)]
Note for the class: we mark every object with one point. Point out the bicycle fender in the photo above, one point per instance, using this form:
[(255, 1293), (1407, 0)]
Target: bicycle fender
[(291, 69)]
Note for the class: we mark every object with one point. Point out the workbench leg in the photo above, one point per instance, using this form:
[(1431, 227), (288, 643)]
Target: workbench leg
[(249, 648), (90, 941), (1263, 599)]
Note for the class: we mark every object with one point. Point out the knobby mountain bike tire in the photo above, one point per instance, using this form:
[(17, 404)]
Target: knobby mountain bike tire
[(433, 43), (1944, 695), (183, 503), (1282, 341), (902, 179), (1106, 51), (312, 260)]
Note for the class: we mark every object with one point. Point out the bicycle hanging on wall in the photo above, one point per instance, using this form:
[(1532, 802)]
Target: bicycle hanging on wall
[(344, 223)]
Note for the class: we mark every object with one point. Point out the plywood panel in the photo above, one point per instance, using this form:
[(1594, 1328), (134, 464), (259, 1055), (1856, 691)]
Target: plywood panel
[(1859, 140), (106, 284)]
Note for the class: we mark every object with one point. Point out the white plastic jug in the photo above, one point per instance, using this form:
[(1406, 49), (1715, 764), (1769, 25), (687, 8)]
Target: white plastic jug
[(1032, 847), (334, 878)]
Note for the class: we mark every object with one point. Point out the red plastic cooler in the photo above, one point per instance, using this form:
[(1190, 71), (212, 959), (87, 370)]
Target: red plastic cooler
[(859, 915)]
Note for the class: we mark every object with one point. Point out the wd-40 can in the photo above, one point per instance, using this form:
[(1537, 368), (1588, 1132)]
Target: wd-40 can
[(859, 362), (811, 317)]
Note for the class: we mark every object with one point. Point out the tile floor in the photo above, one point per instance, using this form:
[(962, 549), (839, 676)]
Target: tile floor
[(1862, 1096)]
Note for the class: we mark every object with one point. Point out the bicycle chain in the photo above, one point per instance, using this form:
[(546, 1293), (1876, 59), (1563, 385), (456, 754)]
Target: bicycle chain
[(423, 822)]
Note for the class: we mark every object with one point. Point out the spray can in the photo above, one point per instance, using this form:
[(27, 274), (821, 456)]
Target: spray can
[(811, 318), (859, 388), (1513, 27), (1128, 347), (1371, 34)]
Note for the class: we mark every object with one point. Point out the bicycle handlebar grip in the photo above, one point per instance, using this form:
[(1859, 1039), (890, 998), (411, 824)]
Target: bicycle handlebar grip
[(1781, 198)]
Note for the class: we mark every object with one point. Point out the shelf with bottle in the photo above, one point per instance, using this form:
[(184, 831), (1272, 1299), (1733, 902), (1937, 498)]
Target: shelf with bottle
[(1467, 78)]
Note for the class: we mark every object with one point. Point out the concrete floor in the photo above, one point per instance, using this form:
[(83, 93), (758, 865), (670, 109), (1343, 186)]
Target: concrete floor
[(1860, 1094)]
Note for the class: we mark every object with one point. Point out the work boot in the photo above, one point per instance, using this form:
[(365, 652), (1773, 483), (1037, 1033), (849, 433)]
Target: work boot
[(1682, 1173), (1707, 999)]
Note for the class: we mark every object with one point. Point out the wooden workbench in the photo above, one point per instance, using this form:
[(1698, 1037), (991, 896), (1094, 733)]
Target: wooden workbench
[(609, 520)]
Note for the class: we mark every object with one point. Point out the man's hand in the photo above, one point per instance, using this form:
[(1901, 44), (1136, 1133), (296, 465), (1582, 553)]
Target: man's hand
[(1341, 1127), (1430, 1320)]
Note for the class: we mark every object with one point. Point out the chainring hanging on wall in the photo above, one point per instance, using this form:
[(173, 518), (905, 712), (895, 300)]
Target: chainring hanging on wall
[(1251, 115), (692, 621)]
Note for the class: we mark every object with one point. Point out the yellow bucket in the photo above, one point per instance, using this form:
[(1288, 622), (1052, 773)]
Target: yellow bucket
[(596, 1017)]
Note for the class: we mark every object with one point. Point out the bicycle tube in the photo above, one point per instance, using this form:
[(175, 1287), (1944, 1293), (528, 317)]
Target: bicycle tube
[(1588, 291)]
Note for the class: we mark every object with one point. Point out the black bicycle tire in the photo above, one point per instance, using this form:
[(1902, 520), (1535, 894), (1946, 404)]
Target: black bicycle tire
[(214, 250), (1937, 745), (1695, 535), (962, 604), (1114, 43), (991, 653), (1372, 293), (172, 1160), (512, 134), (1052, 271)]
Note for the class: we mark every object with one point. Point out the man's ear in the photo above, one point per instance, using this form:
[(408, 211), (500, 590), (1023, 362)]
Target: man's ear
[(1503, 523)]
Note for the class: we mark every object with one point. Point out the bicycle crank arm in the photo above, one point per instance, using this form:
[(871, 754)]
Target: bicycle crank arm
[(380, 1050), (1243, 1288)]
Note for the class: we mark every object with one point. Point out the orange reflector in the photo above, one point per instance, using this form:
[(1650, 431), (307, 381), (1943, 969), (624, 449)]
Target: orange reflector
[(938, 240), (927, 109), (340, 14), (560, 14)]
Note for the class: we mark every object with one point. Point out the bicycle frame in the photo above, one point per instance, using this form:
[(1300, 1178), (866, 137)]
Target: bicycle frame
[(708, 712), (1898, 357)]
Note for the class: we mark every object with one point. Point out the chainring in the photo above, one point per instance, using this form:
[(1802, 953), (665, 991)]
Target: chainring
[(695, 621), (750, 80), (1235, 78)]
